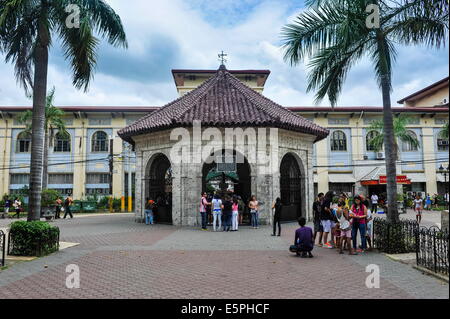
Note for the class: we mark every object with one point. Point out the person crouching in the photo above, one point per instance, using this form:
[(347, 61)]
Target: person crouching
[(304, 242)]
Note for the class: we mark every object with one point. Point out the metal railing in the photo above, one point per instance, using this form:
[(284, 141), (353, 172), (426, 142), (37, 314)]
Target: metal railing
[(432, 249), (395, 238), (2, 248)]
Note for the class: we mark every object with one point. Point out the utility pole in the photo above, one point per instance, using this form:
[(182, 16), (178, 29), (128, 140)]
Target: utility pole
[(130, 193), (111, 171)]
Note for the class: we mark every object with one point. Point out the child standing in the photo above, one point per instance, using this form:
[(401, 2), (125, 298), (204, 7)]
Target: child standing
[(418, 207), (346, 232)]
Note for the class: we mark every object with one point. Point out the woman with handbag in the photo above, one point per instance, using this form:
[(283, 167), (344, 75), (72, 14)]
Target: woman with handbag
[(359, 215)]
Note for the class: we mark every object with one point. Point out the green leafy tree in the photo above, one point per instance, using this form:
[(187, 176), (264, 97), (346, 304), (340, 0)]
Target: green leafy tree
[(27, 28), (444, 133), (54, 123), (401, 133), (334, 34)]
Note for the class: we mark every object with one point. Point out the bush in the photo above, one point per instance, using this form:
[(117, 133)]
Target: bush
[(33, 239), (49, 197), (103, 203)]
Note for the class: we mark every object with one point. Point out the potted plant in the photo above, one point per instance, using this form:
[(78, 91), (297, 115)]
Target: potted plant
[(401, 203)]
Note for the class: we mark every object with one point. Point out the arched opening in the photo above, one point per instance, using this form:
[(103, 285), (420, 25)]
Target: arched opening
[(232, 177), (159, 187), (290, 188)]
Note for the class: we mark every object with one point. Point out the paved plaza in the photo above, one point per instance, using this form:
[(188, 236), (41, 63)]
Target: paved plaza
[(119, 258)]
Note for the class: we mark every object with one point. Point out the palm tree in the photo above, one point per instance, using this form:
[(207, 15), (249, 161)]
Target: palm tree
[(401, 133), (53, 123), (334, 35), (27, 28)]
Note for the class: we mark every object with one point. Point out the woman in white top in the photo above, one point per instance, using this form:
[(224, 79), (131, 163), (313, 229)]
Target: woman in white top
[(217, 211), (17, 205), (418, 207)]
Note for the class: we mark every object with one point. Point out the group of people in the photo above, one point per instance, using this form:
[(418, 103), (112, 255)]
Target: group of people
[(63, 206), (336, 223), (226, 212), (16, 204)]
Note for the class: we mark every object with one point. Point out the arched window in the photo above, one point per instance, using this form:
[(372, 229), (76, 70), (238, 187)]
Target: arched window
[(408, 146), (442, 143), (62, 143), (338, 141), (369, 137), (23, 143), (100, 142)]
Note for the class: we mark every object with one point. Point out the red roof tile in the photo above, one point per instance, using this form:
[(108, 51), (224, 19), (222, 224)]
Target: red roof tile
[(222, 101)]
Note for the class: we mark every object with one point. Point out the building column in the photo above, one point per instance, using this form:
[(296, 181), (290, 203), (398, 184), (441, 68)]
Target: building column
[(5, 151), (79, 153), (429, 155), (322, 160), (118, 168)]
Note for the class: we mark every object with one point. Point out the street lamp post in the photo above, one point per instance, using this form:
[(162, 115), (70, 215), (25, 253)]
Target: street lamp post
[(444, 171)]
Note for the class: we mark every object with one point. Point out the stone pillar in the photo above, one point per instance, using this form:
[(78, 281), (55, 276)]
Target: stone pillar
[(177, 194), (140, 187)]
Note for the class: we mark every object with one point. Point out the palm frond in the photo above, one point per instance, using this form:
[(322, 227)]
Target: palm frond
[(420, 22), (311, 31)]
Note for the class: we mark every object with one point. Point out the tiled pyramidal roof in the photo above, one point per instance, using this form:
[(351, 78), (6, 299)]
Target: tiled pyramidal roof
[(222, 101)]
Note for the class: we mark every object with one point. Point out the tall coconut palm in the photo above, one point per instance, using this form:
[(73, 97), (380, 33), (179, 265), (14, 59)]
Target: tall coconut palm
[(401, 133), (334, 35), (54, 123), (27, 28)]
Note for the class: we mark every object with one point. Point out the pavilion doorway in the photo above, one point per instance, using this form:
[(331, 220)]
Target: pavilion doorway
[(290, 188), (159, 188), (228, 178)]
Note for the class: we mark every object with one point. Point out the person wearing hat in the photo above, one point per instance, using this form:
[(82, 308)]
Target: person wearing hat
[(149, 211)]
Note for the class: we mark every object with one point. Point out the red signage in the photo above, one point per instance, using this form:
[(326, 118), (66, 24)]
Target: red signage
[(401, 179)]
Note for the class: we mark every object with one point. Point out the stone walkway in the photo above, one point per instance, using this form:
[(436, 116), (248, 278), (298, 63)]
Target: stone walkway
[(121, 259)]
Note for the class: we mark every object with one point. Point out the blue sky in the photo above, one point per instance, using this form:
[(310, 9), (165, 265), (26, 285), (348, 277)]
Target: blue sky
[(176, 34)]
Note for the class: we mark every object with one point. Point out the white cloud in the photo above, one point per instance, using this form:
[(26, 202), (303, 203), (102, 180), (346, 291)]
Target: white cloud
[(251, 39)]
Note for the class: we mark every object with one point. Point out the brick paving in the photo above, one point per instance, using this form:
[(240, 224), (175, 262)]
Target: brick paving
[(121, 259)]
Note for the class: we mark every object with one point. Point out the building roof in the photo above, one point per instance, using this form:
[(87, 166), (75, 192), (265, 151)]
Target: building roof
[(301, 109), (222, 101), (367, 109), (425, 91)]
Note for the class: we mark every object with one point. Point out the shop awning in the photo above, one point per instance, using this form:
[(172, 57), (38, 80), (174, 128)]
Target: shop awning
[(416, 177), (341, 178)]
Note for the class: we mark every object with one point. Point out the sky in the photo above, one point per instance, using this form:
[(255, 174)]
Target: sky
[(188, 34)]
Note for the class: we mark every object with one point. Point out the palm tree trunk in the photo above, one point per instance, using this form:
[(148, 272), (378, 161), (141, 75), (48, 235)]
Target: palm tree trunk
[(45, 162), (389, 138), (38, 122)]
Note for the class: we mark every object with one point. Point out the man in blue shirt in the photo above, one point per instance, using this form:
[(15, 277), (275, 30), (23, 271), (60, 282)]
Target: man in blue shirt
[(304, 240), (8, 204)]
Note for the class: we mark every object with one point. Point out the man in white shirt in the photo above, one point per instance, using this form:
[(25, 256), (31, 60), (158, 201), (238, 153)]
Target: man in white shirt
[(374, 200)]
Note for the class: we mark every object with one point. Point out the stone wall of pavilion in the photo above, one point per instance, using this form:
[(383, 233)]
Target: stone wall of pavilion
[(187, 177)]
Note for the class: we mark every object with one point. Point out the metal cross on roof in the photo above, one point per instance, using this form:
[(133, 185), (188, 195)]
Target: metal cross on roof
[(222, 58)]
